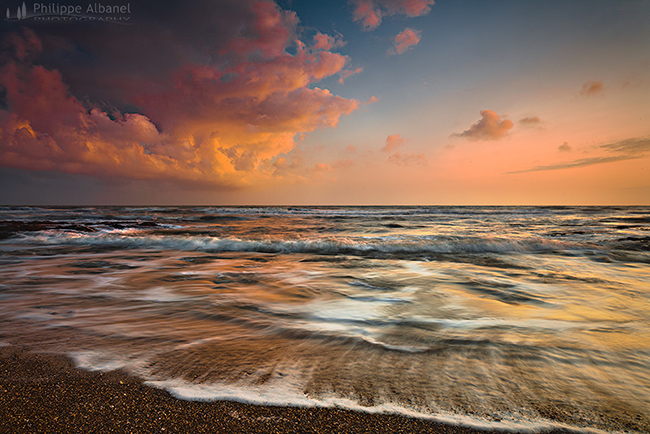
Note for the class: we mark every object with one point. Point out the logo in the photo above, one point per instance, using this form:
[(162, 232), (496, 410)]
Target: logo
[(21, 13), (57, 12)]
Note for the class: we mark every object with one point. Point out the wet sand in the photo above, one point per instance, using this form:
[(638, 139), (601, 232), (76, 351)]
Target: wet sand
[(46, 394)]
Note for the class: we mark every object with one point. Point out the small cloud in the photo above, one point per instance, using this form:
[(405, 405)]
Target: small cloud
[(372, 100), (393, 142), (564, 147), (490, 127), (405, 41), (326, 42), (322, 167), (348, 72), (371, 12), (368, 13), (591, 88), (351, 149), (530, 121), (407, 159)]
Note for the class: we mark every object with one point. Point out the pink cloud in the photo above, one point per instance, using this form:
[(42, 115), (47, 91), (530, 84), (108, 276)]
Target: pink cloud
[(267, 34), (592, 88), (405, 41), (326, 42), (48, 129), (393, 142), (348, 72), (371, 12), (489, 127), (368, 12), (220, 123)]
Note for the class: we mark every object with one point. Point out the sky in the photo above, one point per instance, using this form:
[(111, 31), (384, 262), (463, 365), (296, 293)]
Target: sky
[(302, 102)]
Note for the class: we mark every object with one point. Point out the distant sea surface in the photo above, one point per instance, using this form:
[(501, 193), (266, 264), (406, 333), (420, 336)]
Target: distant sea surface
[(510, 318)]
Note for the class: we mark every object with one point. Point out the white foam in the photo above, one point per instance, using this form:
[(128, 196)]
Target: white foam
[(162, 294), (346, 310), (104, 361), (342, 245), (402, 348), (287, 392)]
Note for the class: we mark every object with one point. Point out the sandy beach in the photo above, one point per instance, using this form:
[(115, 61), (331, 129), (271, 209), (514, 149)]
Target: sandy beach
[(42, 393)]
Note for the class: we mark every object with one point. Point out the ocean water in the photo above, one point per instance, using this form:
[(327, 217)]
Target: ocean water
[(514, 318)]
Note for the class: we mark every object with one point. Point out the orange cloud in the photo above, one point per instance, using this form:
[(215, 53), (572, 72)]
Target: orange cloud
[(490, 127), (218, 123), (405, 41), (371, 12), (591, 88), (393, 142), (564, 147), (347, 72)]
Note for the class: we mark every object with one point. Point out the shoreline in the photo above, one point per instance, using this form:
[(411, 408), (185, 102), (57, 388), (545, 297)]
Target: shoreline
[(44, 393)]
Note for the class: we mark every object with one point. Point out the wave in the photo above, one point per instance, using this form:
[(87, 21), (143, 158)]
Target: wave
[(288, 390), (414, 245)]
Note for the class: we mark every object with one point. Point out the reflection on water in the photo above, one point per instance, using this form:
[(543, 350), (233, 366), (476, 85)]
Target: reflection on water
[(502, 317)]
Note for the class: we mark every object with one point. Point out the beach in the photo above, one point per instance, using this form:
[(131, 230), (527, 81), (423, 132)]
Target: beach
[(42, 393)]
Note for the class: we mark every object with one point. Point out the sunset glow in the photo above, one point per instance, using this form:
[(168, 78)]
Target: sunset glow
[(299, 102)]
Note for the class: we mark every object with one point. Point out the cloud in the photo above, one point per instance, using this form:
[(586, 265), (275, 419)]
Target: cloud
[(393, 142), (405, 41), (322, 167), (326, 42), (628, 149), (371, 100), (591, 88), (637, 147), (489, 127), (348, 72), (214, 104), (530, 121), (371, 12), (564, 147), (407, 159)]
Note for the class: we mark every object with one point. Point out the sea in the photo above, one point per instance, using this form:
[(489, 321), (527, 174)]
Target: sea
[(506, 318)]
